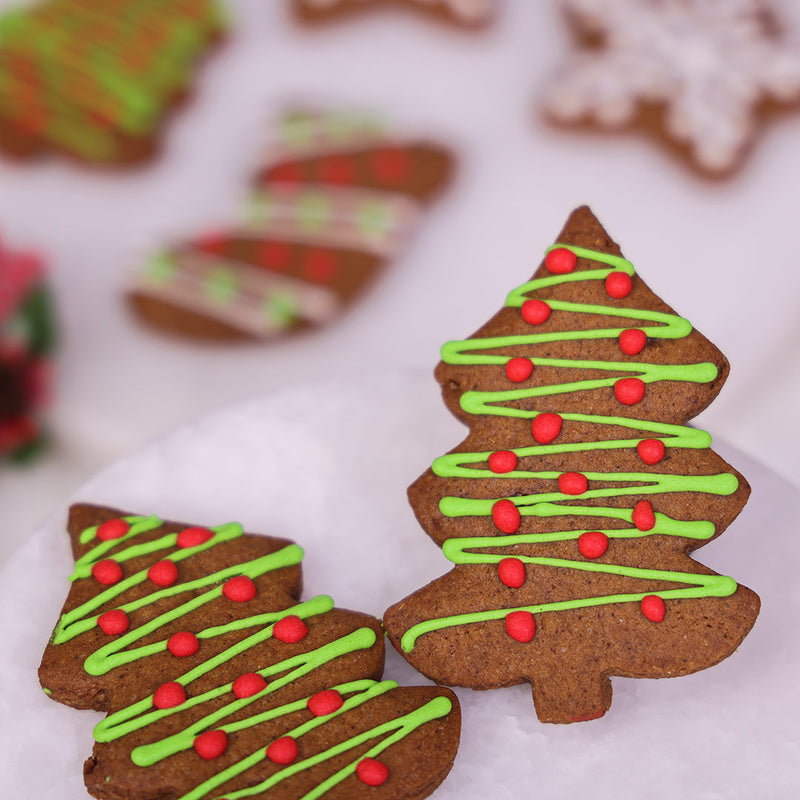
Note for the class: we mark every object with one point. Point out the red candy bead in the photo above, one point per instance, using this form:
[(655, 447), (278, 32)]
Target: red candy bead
[(632, 341), (519, 369), (108, 572), (511, 572), (211, 744), (325, 702), (651, 451), (560, 261), (572, 483), (592, 544), (213, 243), (506, 516), (535, 312), (290, 629), (391, 164), (163, 573), (629, 391), (643, 517), (520, 625), (319, 265), (192, 537), (183, 644), (372, 772), (337, 169), (274, 255), (112, 529), (654, 608), (546, 427), (618, 285), (285, 173), (113, 622), (503, 461), (283, 750), (169, 695), (248, 684), (239, 589)]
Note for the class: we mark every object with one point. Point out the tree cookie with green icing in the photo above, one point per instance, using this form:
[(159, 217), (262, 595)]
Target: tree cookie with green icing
[(572, 507), (217, 682)]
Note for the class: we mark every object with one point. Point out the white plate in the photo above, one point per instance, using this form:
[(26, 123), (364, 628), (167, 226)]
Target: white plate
[(327, 465)]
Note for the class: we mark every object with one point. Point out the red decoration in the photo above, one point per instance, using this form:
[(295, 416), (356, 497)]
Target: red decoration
[(654, 608), (651, 451), (643, 517), (372, 772), (511, 572), (283, 750), (193, 537), (337, 169), (274, 255), (240, 589), (163, 573), (183, 644), (325, 702), (503, 461), (391, 164), (319, 265), (112, 529), (520, 625), (629, 391), (113, 622), (519, 369), (284, 173), (546, 427), (535, 312), (618, 285), (572, 483), (632, 341), (248, 684), (290, 629), (592, 544), (108, 572), (213, 243), (169, 695), (560, 261), (506, 516), (211, 744)]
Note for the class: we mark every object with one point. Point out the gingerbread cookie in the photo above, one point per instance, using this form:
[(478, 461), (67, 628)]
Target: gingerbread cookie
[(218, 683), (571, 508), (700, 77), (96, 83), (333, 204)]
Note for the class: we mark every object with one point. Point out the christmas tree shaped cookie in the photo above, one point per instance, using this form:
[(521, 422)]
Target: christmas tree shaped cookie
[(571, 508), (218, 683)]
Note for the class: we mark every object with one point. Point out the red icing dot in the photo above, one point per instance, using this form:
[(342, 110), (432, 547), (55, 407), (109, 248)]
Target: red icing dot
[(274, 255), (286, 173), (372, 772), (112, 529), (592, 544), (546, 427), (520, 625), (211, 744), (618, 285), (337, 169), (283, 750), (239, 589), (643, 517), (629, 391), (290, 629), (192, 537), (319, 265), (503, 461), (654, 608), (632, 341), (163, 573), (506, 516), (248, 684), (108, 572), (113, 622), (511, 572), (391, 164), (169, 695), (519, 369), (213, 243), (651, 451), (535, 312), (572, 483), (183, 644), (560, 261), (325, 702)]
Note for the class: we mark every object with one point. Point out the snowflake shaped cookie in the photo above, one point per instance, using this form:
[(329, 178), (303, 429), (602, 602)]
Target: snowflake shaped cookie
[(698, 71)]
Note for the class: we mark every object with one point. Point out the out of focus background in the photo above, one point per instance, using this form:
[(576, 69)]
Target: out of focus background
[(723, 253)]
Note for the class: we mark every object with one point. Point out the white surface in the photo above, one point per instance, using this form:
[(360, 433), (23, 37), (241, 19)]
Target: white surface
[(327, 465), (723, 255)]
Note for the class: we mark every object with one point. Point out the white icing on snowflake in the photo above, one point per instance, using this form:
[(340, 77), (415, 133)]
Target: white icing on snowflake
[(708, 62), (468, 11)]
